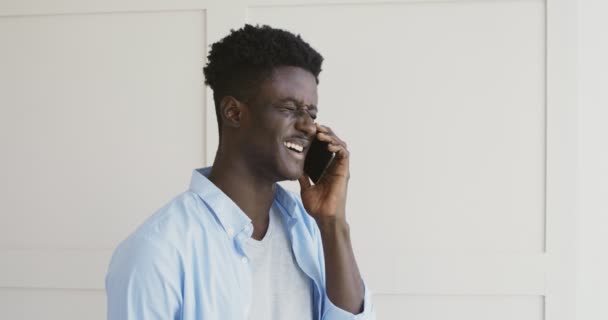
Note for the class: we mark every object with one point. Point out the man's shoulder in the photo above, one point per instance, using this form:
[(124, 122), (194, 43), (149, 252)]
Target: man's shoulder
[(172, 225)]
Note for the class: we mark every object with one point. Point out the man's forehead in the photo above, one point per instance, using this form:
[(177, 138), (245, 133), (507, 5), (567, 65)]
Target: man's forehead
[(293, 84)]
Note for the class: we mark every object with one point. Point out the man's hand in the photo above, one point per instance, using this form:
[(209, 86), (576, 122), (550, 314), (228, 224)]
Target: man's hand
[(327, 199), (326, 203)]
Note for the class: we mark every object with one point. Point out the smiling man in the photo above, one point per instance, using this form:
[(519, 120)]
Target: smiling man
[(236, 245)]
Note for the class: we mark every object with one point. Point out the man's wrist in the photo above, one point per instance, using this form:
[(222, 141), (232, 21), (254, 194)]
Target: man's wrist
[(333, 225)]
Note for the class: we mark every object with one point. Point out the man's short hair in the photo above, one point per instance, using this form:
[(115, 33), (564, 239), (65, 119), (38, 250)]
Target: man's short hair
[(241, 61)]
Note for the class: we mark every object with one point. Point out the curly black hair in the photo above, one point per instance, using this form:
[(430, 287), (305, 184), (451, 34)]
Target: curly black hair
[(238, 63)]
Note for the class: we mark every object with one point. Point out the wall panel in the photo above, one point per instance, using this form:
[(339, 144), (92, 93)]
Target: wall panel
[(22, 304), (460, 307), (97, 109)]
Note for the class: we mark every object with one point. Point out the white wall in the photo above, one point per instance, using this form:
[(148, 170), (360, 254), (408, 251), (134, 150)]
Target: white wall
[(592, 262)]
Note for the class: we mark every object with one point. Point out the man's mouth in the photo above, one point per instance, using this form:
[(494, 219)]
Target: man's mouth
[(294, 146)]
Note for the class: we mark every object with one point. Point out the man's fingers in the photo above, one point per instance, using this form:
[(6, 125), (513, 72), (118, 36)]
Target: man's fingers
[(326, 130), (325, 137), (321, 128), (341, 151), (331, 139), (326, 134)]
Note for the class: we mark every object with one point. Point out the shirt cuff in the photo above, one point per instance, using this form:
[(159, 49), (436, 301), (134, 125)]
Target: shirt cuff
[(333, 312)]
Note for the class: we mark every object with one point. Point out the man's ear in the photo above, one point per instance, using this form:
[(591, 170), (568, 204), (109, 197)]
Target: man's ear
[(231, 111)]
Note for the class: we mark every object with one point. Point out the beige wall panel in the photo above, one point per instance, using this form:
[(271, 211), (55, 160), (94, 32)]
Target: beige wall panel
[(445, 119), (459, 307), (26, 304), (102, 120)]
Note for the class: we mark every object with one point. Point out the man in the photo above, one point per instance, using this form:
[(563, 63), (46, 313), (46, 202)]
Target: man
[(236, 245)]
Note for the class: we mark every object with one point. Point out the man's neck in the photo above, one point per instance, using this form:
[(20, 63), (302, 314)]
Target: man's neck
[(252, 193)]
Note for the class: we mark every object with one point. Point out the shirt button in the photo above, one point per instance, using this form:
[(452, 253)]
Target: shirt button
[(230, 231), (244, 259)]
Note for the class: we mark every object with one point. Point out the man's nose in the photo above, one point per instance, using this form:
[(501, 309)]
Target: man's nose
[(306, 124)]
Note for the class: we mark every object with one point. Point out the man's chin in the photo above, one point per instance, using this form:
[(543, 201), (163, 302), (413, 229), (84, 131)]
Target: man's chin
[(292, 175)]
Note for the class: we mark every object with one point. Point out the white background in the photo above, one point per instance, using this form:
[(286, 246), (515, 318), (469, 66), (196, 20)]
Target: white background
[(592, 217), (472, 103)]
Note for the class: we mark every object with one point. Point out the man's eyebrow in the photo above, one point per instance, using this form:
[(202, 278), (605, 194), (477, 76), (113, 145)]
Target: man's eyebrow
[(299, 103)]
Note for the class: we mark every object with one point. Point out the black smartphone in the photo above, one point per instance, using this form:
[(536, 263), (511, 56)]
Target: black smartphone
[(317, 160)]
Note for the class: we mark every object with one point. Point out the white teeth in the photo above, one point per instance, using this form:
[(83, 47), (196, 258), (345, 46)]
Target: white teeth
[(294, 146)]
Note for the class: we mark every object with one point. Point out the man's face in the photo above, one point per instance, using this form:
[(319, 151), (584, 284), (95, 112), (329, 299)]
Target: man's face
[(278, 125)]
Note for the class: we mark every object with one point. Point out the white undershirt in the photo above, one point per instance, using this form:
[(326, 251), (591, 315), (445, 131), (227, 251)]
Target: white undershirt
[(280, 289)]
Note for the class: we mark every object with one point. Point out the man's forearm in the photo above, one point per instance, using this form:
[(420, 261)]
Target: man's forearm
[(343, 280)]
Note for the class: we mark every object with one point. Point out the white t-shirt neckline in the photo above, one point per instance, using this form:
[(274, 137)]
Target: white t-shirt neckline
[(281, 290)]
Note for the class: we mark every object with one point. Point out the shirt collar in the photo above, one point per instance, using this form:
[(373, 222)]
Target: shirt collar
[(230, 216), (287, 201)]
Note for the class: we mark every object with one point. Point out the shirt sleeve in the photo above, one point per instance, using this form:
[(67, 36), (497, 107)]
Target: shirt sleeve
[(333, 312), (143, 281)]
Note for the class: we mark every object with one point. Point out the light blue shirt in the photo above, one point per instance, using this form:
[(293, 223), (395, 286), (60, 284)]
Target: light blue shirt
[(187, 260)]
